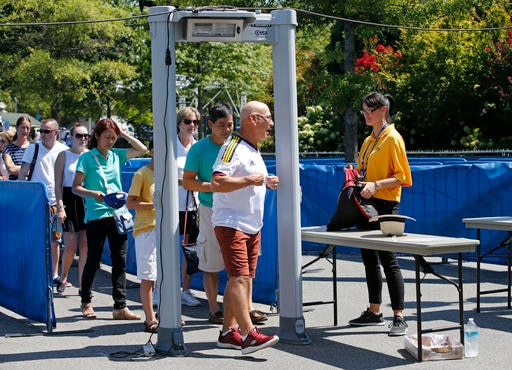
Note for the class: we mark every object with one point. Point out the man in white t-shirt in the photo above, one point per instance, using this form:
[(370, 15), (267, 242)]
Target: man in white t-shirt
[(238, 185), (48, 148)]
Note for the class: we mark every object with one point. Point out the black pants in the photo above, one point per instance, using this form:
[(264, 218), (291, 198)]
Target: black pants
[(394, 278), (97, 232)]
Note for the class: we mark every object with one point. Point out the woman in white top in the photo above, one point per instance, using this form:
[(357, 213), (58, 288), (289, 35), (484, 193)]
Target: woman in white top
[(187, 120), (70, 207)]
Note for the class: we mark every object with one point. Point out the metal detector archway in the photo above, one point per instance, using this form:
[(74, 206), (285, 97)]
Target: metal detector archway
[(168, 26)]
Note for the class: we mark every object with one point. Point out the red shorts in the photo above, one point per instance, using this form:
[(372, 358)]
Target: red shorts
[(239, 251)]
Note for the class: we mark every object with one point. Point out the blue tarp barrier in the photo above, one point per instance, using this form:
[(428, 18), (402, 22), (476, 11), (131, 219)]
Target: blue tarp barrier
[(266, 280), (441, 196), (444, 191), (25, 251)]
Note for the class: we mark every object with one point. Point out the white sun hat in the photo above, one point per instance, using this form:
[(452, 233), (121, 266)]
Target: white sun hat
[(391, 224)]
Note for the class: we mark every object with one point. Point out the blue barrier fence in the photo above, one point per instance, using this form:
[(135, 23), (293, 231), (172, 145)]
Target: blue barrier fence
[(444, 191), (25, 251)]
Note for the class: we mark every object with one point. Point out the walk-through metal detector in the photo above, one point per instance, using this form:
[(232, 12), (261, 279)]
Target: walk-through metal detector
[(167, 26)]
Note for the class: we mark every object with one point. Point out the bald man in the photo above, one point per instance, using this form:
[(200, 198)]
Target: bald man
[(239, 182)]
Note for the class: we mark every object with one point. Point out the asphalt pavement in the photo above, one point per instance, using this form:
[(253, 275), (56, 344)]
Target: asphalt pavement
[(104, 343)]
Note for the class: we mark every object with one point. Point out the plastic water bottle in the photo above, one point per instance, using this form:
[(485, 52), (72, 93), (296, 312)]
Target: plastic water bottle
[(471, 339)]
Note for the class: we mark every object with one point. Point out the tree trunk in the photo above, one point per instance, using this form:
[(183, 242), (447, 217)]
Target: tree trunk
[(350, 140)]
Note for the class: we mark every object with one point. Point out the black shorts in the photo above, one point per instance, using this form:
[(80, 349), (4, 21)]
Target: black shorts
[(75, 211)]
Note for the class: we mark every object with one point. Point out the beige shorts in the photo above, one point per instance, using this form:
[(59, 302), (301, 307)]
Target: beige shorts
[(208, 249), (145, 255)]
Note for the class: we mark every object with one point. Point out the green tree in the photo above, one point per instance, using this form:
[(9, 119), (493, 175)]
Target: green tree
[(212, 70), (452, 88), (495, 90), (444, 99), (49, 84), (51, 68), (340, 88), (439, 99)]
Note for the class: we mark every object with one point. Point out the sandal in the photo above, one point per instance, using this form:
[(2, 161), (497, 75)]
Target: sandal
[(151, 327), (124, 314), (258, 316), (216, 318), (87, 311)]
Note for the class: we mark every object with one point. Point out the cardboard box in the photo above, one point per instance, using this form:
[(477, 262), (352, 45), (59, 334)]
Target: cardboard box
[(434, 347)]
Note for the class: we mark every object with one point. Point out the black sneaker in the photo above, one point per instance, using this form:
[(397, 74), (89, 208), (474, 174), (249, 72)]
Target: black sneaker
[(59, 285), (368, 318), (398, 327)]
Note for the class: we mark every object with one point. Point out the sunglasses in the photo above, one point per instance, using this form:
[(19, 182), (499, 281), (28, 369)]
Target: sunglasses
[(82, 136), (44, 131), (189, 121), (369, 111)]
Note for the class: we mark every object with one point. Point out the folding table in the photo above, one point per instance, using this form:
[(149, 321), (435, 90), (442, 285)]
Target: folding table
[(418, 245), (491, 223)]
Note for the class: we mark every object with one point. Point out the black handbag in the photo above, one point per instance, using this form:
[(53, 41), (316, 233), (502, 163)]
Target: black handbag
[(190, 232), (352, 209)]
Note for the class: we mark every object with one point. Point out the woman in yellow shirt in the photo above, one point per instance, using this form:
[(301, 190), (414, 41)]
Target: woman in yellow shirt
[(383, 163)]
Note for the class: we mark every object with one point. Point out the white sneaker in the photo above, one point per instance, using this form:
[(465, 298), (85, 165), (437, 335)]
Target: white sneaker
[(188, 299)]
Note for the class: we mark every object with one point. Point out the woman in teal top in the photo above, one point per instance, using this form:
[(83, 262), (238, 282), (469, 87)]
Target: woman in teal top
[(98, 172)]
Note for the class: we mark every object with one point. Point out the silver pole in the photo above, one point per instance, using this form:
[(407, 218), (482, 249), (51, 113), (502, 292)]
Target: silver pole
[(170, 334), (292, 327)]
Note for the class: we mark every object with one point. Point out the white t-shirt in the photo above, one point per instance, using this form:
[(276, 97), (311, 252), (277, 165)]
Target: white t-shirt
[(181, 158), (44, 169), (241, 209), (69, 168)]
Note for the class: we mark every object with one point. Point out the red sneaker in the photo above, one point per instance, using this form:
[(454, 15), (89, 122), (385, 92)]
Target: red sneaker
[(231, 340), (256, 340)]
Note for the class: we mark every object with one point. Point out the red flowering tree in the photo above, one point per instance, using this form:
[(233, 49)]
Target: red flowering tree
[(380, 62), (496, 88), (498, 80)]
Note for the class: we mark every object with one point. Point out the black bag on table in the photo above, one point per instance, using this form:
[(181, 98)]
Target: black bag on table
[(352, 209)]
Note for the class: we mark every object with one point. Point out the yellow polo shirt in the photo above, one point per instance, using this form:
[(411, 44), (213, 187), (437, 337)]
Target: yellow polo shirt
[(384, 158), (143, 187)]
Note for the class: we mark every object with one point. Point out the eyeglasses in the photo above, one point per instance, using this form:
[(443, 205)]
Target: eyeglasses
[(189, 121), (369, 111), (267, 117), (44, 131), (82, 136)]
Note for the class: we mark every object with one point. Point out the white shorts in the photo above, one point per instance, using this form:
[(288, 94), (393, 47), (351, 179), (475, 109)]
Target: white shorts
[(208, 249), (145, 252)]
